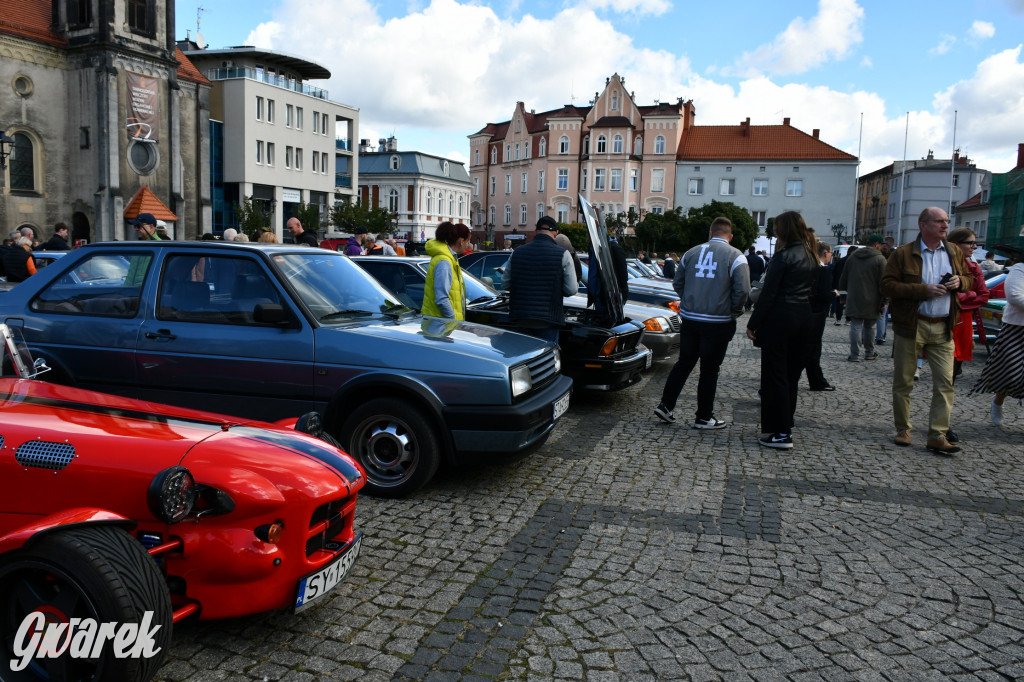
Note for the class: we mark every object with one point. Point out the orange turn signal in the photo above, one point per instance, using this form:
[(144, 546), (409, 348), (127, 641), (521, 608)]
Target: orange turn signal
[(270, 532), (609, 346)]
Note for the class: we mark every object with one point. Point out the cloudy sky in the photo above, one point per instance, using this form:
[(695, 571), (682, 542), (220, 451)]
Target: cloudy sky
[(431, 72)]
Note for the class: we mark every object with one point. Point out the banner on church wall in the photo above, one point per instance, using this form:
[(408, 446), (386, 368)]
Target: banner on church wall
[(143, 107)]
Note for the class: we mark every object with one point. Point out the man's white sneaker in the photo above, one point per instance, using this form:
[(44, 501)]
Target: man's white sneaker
[(996, 413), (710, 423)]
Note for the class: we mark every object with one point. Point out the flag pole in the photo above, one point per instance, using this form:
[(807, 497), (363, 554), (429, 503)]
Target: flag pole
[(856, 182), (903, 183), (952, 167)]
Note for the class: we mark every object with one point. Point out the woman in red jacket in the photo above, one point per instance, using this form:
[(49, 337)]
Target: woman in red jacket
[(963, 332)]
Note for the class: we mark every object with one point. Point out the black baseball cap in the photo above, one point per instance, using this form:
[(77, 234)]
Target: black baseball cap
[(547, 223)]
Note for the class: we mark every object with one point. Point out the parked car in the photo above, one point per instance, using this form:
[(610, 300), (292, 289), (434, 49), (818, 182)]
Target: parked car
[(267, 331), (112, 508), (595, 356)]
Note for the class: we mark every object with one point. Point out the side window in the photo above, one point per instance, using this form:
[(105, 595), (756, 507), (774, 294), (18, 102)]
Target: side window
[(213, 289), (103, 284)]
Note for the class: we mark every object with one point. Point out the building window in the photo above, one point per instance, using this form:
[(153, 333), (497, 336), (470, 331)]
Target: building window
[(493, 185), (298, 158), (451, 204), (393, 200), (517, 152), (638, 145), (794, 188), (492, 216), (760, 188), (316, 162), (540, 181), (22, 163), (617, 144), (562, 213), (615, 101), (476, 157), (270, 111), (540, 210), (270, 153), (138, 15), (494, 155), (761, 169), (526, 151), (462, 205), (583, 180), (288, 156), (563, 178), (659, 144), (657, 210), (727, 187), (79, 13), (316, 122), (616, 181), (602, 144), (523, 188), (508, 184), (696, 186), (298, 118), (394, 163), (956, 180), (508, 214), (599, 177), (259, 108), (796, 169), (543, 147), (658, 180), (476, 187), (324, 168), (289, 115), (634, 179), (522, 214), (430, 201), (259, 151), (760, 218), (892, 209), (563, 144)]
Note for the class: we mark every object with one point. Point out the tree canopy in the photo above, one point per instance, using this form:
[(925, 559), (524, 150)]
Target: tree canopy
[(674, 231), (347, 216)]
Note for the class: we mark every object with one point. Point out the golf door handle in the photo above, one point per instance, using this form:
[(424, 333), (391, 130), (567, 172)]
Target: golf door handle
[(161, 334)]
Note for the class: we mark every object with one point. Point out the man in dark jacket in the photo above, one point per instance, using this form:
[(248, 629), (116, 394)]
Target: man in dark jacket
[(862, 282), (537, 276), (59, 240), (756, 266), (354, 245), (299, 235), (821, 299)]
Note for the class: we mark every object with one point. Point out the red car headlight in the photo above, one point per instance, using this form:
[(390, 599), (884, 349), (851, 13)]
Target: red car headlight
[(172, 494)]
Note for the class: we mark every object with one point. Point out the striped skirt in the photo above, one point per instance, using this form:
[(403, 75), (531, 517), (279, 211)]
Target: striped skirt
[(1004, 371)]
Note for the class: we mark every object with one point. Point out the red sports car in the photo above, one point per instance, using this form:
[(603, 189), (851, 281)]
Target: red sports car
[(121, 511)]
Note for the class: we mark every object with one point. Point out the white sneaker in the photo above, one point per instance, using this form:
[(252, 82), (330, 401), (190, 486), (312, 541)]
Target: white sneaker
[(917, 374), (996, 413), (710, 423)]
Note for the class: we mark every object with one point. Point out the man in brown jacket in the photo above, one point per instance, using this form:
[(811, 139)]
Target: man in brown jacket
[(921, 279)]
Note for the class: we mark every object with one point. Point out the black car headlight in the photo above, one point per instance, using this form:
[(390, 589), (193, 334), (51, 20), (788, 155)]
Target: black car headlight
[(172, 494)]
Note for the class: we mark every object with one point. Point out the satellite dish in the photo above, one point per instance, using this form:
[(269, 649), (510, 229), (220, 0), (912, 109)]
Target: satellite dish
[(200, 41)]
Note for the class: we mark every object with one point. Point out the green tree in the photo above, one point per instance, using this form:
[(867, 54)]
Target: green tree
[(698, 223), (252, 217), (309, 216), (577, 234), (347, 216)]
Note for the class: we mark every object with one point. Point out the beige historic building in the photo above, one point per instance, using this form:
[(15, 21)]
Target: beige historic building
[(100, 102), (618, 154)]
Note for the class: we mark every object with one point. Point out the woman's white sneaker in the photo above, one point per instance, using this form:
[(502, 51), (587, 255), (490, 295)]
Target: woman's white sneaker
[(996, 413)]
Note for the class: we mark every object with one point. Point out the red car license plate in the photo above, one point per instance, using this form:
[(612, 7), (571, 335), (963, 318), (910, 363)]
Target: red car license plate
[(316, 585)]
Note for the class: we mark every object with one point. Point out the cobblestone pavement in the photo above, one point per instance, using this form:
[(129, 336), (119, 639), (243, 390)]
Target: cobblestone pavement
[(627, 549)]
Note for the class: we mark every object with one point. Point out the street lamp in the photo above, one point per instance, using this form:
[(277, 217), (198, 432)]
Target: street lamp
[(6, 143)]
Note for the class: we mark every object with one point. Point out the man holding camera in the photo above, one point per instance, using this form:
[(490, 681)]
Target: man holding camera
[(921, 280)]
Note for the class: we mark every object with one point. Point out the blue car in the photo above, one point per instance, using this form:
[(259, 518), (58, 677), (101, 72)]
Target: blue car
[(271, 331)]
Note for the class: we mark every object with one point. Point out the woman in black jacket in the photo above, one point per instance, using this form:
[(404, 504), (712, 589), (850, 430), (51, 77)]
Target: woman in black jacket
[(780, 325)]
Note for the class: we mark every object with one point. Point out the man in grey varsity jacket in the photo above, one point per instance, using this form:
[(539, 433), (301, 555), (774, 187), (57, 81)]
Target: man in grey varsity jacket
[(712, 280)]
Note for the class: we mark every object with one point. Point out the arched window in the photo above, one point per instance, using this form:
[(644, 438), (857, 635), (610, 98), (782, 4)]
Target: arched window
[(638, 145), (494, 155), (508, 152), (602, 144), (522, 214), (393, 200), (395, 162), (563, 144), (491, 221), (430, 201), (659, 144), (22, 162), (586, 145), (615, 101), (617, 144), (451, 204), (540, 210), (508, 214), (461, 204), (517, 151), (543, 147)]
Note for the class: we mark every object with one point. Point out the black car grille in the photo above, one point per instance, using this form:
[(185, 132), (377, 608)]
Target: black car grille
[(542, 370), (326, 524), (673, 322)]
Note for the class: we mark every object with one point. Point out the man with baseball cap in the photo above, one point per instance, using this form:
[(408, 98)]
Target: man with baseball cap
[(145, 227), (354, 245), (537, 276)]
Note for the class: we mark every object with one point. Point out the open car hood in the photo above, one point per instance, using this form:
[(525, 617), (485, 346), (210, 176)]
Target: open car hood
[(601, 281)]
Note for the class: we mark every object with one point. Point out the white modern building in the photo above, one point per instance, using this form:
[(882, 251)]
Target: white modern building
[(420, 190), (767, 169), (275, 137)]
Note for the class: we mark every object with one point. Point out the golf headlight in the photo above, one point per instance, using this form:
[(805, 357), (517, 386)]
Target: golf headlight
[(558, 360), (172, 493), (521, 380), (656, 324)]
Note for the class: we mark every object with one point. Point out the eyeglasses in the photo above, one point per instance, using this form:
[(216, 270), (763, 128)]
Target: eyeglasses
[(973, 245)]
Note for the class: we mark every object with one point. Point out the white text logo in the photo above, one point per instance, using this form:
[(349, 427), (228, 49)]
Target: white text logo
[(81, 638)]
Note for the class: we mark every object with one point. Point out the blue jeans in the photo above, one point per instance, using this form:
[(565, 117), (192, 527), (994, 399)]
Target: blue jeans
[(862, 332)]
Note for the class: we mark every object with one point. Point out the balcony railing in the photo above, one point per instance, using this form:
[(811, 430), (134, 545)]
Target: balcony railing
[(343, 143), (265, 77), (343, 180)]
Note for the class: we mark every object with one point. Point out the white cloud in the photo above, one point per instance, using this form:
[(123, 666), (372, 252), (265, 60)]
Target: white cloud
[(981, 30), (804, 45), (866, 62), (945, 43), (655, 7)]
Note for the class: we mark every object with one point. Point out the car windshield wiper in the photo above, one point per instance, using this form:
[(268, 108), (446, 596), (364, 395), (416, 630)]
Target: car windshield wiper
[(481, 299), (397, 309), (340, 313)]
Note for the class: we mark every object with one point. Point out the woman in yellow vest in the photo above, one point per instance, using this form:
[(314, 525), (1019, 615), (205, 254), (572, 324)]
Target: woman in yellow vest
[(445, 294)]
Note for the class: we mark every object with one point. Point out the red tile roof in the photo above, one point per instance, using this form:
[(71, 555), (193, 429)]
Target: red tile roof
[(187, 70), (756, 142), (970, 203), (145, 201), (30, 19)]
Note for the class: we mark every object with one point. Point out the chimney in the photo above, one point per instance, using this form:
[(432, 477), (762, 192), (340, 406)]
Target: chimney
[(785, 121), (814, 133), (1020, 155), (745, 127)]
